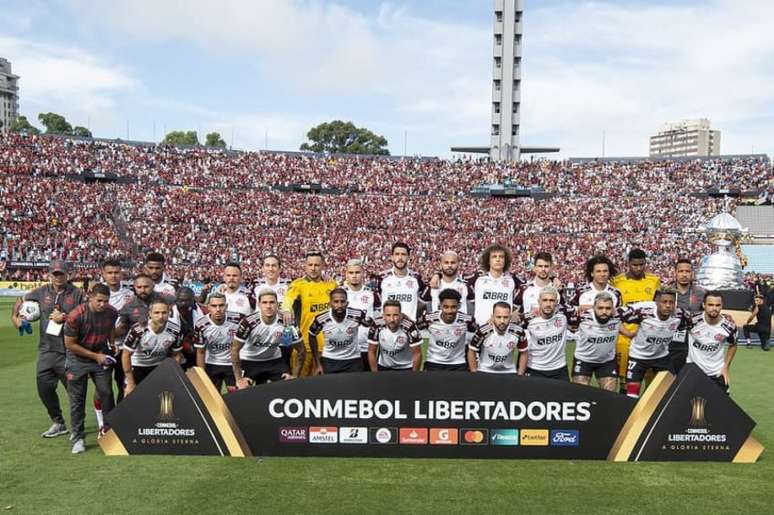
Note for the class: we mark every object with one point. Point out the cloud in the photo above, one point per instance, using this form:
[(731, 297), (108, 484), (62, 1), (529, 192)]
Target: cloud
[(64, 79), (589, 66), (626, 69)]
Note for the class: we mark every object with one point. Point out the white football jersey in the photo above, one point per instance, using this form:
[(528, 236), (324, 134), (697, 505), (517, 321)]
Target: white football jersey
[(707, 343), (654, 335), (395, 347), (239, 302), (595, 342), (488, 290), (280, 288), (362, 299), (216, 339), (546, 338), (447, 343), (405, 290), (584, 296), (340, 337), (149, 349), (458, 285), (261, 341), (496, 351)]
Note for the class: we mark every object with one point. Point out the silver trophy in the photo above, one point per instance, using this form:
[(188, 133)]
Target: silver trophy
[(722, 270)]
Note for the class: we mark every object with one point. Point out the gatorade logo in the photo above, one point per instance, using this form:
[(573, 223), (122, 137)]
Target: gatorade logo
[(444, 436), (475, 437)]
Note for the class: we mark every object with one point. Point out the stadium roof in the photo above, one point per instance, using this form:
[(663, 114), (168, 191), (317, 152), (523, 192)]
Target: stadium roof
[(524, 150)]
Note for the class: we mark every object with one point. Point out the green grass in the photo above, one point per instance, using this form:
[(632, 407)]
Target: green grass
[(38, 475)]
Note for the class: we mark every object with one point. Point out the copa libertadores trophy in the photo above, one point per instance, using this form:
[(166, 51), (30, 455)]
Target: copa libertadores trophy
[(722, 270)]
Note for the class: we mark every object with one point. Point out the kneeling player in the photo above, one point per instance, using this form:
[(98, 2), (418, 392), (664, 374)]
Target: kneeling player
[(212, 339), (449, 332), (707, 340), (595, 348), (492, 347), (255, 351), (341, 327), (649, 349), (147, 345), (394, 343)]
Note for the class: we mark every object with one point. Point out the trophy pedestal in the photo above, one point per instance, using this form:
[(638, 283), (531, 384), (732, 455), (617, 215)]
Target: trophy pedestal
[(737, 300)]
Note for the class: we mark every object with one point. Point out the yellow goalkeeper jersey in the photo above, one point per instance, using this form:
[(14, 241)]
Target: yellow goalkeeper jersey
[(636, 290), (307, 299)]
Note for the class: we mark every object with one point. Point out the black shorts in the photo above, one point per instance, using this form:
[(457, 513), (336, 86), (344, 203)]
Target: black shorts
[(140, 373), (636, 368), (340, 366), (440, 367), (718, 380), (678, 355), (388, 369), (264, 371), (220, 374), (588, 369), (366, 364), (559, 373)]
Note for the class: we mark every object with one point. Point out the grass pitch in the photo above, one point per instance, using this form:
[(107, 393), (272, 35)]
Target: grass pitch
[(41, 476)]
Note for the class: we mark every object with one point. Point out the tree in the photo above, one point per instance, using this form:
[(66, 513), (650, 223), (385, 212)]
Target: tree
[(181, 138), (55, 123), (83, 132), (345, 138), (21, 124), (214, 140)]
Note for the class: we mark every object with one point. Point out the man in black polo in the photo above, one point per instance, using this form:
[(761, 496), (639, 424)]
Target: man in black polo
[(56, 300)]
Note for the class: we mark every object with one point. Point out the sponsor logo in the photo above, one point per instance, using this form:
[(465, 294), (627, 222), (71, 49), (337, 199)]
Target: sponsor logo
[(475, 437), (504, 437), (443, 436), (698, 436), (413, 435), (493, 295), (323, 435), (292, 435), (534, 437), (318, 308), (383, 435), (565, 438), (166, 406), (401, 297), (353, 435)]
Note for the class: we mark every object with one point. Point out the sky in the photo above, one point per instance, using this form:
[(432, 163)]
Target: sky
[(263, 72)]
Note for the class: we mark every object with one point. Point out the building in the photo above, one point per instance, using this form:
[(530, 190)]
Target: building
[(506, 87), (685, 138), (506, 80), (9, 95)]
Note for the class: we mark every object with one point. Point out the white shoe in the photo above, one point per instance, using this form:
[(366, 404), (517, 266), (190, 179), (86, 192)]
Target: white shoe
[(79, 446), (55, 430)]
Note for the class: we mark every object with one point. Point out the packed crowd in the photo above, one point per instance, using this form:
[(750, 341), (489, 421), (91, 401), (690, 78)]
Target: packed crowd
[(200, 167), (202, 208)]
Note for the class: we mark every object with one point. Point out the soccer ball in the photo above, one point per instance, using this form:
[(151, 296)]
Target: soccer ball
[(30, 311)]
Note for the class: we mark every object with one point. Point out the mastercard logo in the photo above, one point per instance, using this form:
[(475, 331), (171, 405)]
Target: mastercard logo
[(475, 436)]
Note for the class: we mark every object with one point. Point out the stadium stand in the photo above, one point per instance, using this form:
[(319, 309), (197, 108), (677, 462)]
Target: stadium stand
[(84, 200)]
